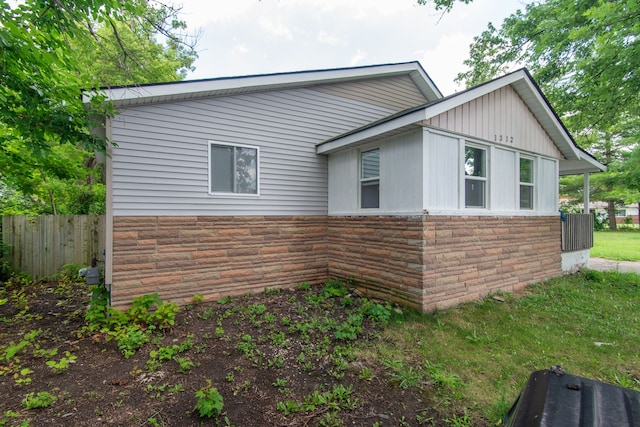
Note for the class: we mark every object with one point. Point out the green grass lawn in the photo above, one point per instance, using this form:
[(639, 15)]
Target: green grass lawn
[(616, 245), (483, 353)]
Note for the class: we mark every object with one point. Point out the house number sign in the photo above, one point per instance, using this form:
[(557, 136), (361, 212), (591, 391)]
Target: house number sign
[(503, 138)]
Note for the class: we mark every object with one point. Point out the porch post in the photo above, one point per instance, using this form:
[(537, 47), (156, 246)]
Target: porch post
[(585, 192)]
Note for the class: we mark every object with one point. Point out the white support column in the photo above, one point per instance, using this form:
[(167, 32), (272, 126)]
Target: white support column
[(585, 192)]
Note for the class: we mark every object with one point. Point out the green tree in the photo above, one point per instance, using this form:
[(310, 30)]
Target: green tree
[(585, 55), (51, 51)]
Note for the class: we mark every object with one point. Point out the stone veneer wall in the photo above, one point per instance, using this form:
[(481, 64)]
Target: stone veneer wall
[(178, 257), (382, 254), (469, 257), (427, 262), (434, 262)]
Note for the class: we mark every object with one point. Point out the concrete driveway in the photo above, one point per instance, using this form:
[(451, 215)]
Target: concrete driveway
[(602, 264)]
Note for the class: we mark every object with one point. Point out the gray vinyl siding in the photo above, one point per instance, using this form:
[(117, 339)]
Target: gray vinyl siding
[(397, 93), (160, 164)]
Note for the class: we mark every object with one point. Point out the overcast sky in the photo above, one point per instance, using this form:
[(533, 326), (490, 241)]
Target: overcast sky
[(241, 37)]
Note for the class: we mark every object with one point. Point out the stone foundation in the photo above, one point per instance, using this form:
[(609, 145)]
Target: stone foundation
[(426, 262), (178, 257), (435, 262)]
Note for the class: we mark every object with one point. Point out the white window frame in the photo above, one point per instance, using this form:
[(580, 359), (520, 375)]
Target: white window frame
[(363, 181), (233, 193), (484, 179), (531, 184)]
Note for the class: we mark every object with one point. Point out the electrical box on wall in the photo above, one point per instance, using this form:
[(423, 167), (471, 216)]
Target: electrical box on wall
[(91, 275)]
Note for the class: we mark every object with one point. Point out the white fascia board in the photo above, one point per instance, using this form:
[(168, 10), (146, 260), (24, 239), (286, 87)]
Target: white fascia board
[(463, 97), (266, 81), (370, 132)]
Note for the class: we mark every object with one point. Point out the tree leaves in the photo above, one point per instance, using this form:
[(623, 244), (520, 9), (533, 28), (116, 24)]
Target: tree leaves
[(585, 55), (49, 52)]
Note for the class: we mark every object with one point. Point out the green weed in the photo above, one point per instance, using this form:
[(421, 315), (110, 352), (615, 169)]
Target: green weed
[(209, 402), (42, 399)]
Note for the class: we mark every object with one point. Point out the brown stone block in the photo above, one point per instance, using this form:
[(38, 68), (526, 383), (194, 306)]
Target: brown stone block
[(122, 243), (161, 280), (236, 272), (130, 259), (243, 252), (170, 256), (230, 232), (125, 235), (160, 234), (164, 221), (214, 254), (133, 267), (175, 265), (293, 267), (269, 269), (199, 232)]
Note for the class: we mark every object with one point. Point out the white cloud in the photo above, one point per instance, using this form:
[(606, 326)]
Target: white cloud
[(294, 35), (274, 28), (199, 13), (239, 49), (330, 39), (357, 58), (444, 62)]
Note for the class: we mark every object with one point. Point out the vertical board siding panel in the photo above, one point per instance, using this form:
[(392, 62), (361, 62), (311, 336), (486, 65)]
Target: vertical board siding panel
[(492, 116), (442, 169), (485, 118), (499, 113), (504, 180), (458, 119)]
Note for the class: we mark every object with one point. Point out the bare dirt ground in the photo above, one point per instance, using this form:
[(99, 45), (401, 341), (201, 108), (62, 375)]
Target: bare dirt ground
[(294, 357)]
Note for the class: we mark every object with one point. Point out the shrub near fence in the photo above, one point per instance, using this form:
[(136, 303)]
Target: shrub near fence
[(40, 245)]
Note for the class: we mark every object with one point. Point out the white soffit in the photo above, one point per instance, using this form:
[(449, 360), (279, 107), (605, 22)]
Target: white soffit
[(184, 90)]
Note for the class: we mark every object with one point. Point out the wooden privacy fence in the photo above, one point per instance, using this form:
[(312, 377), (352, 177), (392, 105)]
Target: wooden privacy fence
[(577, 232), (40, 245)]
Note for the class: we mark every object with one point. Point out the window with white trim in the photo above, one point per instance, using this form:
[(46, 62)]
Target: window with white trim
[(475, 179), (370, 179), (526, 183), (233, 168)]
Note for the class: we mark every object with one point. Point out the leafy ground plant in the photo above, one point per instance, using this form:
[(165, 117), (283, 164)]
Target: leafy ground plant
[(209, 401), (277, 359), (42, 399)]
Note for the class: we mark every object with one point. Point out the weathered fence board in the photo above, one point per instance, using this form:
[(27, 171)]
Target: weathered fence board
[(577, 232), (40, 245)]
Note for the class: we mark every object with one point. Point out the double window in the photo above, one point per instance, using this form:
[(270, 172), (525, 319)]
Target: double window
[(526, 183), (475, 177), (233, 169), (370, 179)]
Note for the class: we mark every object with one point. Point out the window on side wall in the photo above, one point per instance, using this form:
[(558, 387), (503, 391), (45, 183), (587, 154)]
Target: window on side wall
[(233, 169), (370, 179), (526, 183), (475, 174)]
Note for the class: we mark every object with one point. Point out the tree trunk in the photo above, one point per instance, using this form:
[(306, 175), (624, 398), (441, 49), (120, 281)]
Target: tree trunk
[(611, 213)]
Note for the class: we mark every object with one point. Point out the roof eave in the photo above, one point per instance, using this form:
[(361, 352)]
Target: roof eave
[(163, 92), (371, 133)]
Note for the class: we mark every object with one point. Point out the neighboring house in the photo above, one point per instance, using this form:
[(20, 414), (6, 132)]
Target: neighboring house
[(226, 186), (624, 214)]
